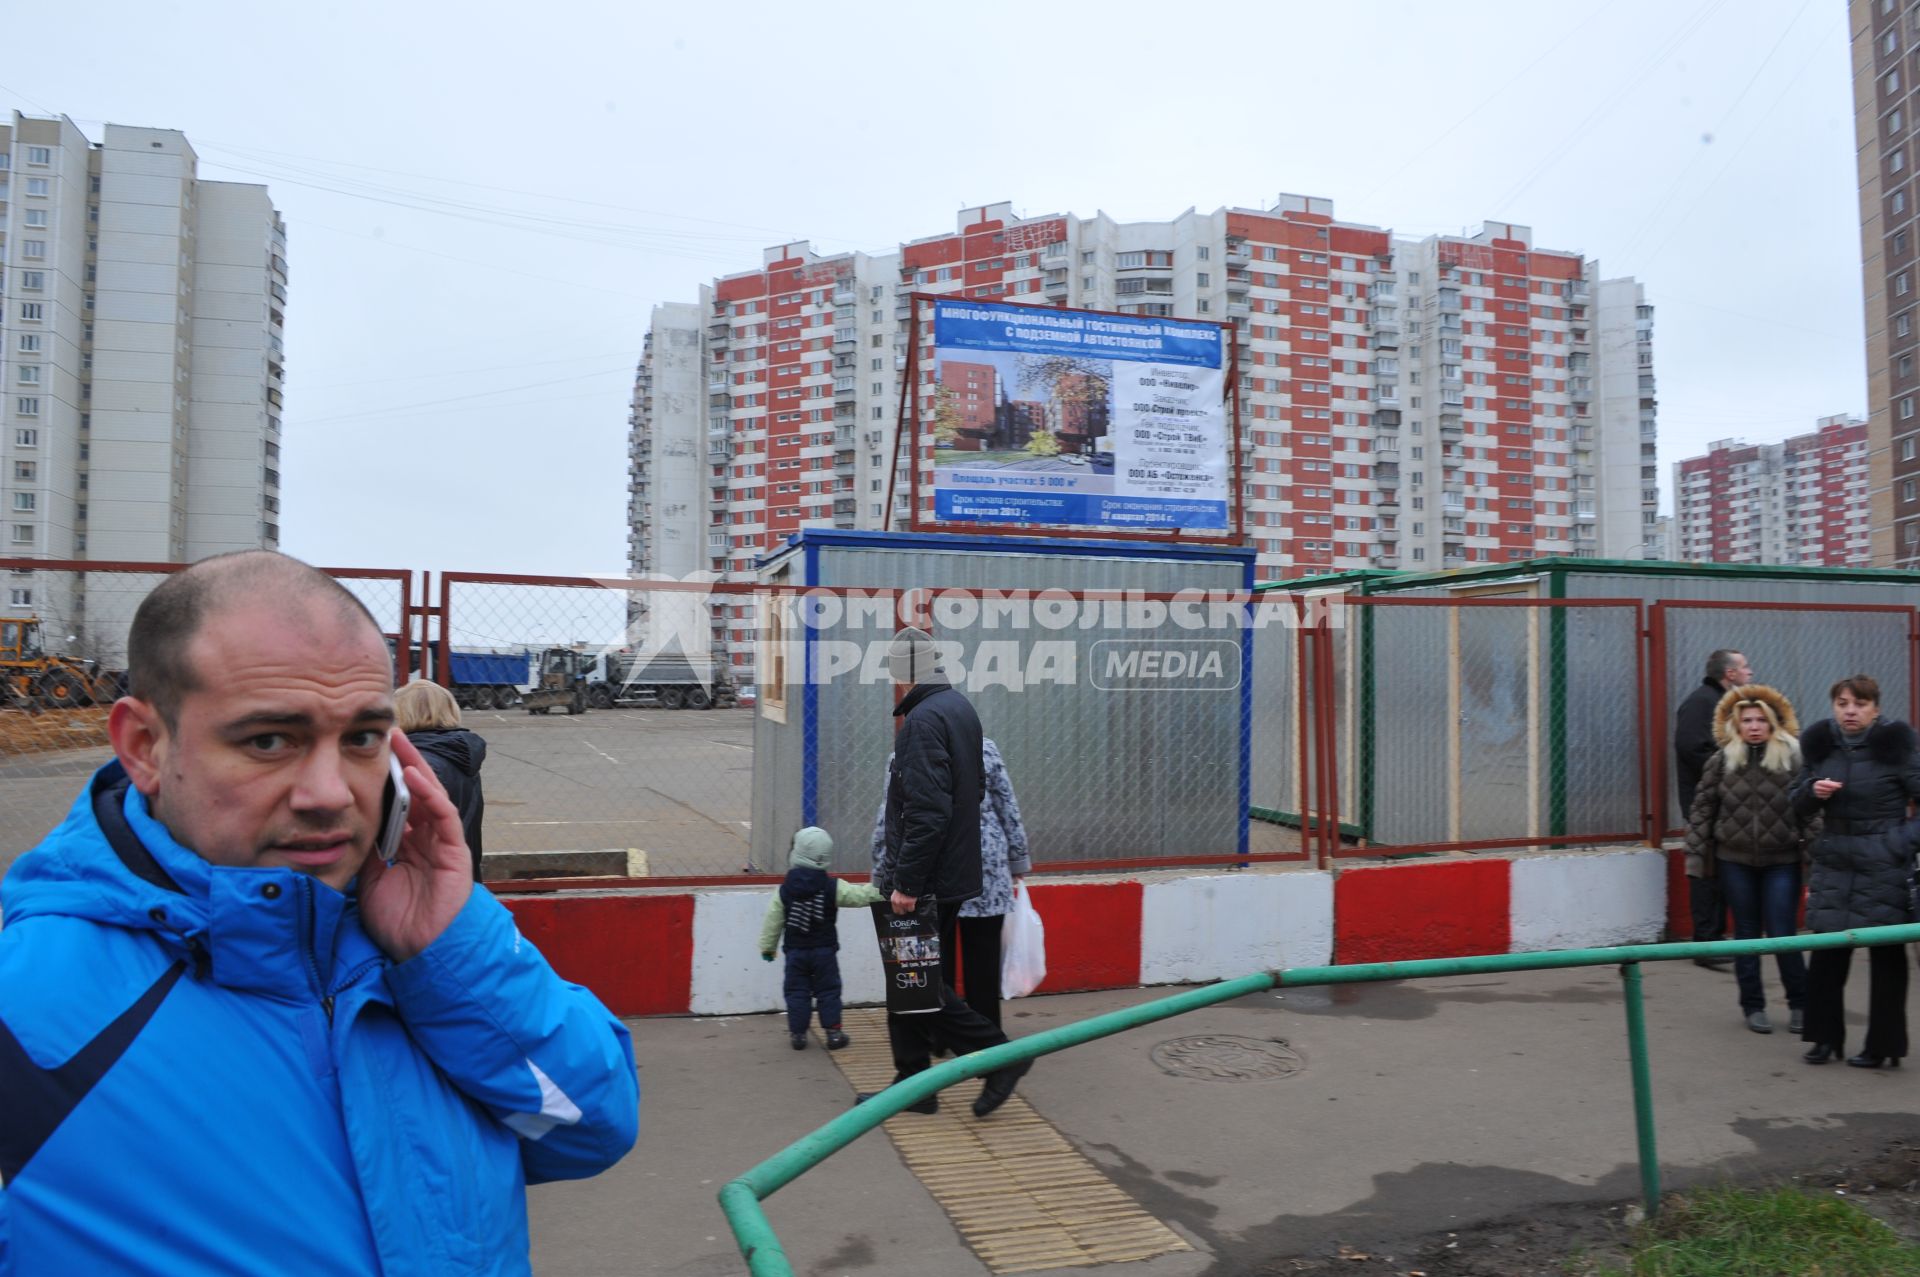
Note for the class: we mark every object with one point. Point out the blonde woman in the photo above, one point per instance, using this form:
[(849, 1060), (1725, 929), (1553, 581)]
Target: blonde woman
[(1743, 829), (426, 712)]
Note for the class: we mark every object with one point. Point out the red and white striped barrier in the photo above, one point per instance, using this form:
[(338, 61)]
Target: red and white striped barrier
[(665, 953)]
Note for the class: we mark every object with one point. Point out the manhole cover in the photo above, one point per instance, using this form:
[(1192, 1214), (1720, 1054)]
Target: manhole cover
[(1223, 1057)]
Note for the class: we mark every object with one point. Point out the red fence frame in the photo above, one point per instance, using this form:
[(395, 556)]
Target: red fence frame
[(1323, 736), (1658, 711)]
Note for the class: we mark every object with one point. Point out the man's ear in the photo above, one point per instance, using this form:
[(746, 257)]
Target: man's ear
[(140, 741)]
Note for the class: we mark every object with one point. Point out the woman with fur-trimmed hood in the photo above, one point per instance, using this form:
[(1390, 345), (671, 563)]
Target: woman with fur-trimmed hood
[(1743, 828)]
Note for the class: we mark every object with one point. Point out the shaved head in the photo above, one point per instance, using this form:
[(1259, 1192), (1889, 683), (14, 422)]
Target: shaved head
[(159, 668)]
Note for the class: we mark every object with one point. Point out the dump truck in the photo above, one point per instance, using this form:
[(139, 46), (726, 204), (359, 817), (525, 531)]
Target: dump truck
[(670, 680), (487, 680), (561, 682), (31, 677)]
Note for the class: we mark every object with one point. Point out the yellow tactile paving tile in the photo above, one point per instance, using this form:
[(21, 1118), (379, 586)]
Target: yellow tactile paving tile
[(1016, 1189)]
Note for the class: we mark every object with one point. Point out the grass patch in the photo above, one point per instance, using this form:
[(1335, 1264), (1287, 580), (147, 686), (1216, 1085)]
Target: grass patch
[(1774, 1232)]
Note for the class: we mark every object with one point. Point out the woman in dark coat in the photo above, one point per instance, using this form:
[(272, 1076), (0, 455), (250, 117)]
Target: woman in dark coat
[(427, 713), (1860, 773), (1743, 832)]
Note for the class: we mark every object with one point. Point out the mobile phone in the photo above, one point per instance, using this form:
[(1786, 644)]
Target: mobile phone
[(393, 810)]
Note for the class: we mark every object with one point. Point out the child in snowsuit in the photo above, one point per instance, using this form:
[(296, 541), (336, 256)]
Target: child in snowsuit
[(803, 914)]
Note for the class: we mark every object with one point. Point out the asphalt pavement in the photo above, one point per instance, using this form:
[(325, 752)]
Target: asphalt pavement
[(1394, 1112)]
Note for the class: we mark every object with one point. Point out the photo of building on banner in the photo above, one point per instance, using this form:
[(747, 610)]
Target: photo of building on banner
[(1077, 418)]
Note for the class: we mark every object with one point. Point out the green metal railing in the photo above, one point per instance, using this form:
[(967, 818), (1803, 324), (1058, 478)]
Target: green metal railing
[(740, 1199)]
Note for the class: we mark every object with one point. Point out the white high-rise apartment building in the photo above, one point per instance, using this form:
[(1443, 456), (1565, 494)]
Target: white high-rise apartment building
[(140, 346), (1403, 404)]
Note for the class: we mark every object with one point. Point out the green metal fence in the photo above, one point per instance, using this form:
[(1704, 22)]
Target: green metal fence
[(740, 1199)]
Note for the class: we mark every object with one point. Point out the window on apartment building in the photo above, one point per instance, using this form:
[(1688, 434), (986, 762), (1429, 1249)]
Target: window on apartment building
[(37, 187), (20, 598), (1903, 325), (29, 343), (1891, 43), (1902, 285), (27, 406), (40, 156), (33, 250), (22, 534), (1907, 449), (24, 471), (1897, 160), (29, 374), (36, 218), (1906, 491), (33, 281), (24, 501), (1899, 201), (1906, 407)]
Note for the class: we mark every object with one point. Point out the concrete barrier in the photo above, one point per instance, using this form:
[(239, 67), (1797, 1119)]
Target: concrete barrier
[(651, 952)]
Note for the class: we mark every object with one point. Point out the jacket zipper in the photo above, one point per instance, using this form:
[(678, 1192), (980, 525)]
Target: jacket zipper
[(310, 925)]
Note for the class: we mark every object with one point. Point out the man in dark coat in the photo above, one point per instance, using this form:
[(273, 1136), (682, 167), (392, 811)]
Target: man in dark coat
[(933, 851), (1693, 745)]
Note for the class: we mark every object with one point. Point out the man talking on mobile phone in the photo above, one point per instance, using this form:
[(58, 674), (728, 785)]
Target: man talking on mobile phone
[(233, 1037)]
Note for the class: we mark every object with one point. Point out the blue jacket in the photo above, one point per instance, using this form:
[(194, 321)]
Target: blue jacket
[(214, 1071)]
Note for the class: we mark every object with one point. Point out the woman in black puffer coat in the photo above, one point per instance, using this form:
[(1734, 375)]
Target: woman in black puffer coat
[(429, 716), (1860, 773)]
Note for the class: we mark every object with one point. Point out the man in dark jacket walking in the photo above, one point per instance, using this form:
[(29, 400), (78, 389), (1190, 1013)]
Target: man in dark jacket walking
[(933, 846), (1693, 745)]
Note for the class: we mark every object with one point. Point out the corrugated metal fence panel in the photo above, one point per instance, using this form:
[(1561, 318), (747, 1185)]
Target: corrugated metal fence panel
[(1099, 775), (1276, 722), (1707, 585), (1800, 654), (1410, 789)]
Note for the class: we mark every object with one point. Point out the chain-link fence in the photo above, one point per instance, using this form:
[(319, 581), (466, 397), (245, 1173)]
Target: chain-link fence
[(1798, 649), (1395, 725), (681, 731)]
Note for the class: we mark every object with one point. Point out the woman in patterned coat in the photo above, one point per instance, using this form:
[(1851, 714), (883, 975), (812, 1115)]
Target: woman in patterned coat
[(1004, 860), (1743, 829)]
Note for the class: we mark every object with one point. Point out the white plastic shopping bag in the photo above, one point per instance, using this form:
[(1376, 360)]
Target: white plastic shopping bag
[(1023, 947)]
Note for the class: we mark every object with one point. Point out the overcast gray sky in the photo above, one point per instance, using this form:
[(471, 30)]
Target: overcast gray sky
[(484, 201)]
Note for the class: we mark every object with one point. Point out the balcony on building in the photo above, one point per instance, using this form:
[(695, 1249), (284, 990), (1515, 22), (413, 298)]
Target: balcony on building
[(1453, 501), (1238, 254), (1449, 427), (1056, 282), (844, 340), (1386, 419), (1238, 306), (845, 297), (1584, 512), (1387, 559), (1386, 456), (843, 388), (1386, 396), (1385, 472), (1579, 294), (847, 505), (1243, 334), (1389, 502), (1581, 389), (1388, 534), (1382, 293)]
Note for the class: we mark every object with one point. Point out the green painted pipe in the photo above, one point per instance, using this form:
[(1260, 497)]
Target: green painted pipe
[(1642, 1088), (740, 1199)]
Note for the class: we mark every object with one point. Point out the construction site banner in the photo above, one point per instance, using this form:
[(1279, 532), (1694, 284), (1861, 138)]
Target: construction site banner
[(1078, 418)]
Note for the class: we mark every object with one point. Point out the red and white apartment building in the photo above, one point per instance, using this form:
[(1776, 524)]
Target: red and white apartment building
[(1805, 501), (1403, 404)]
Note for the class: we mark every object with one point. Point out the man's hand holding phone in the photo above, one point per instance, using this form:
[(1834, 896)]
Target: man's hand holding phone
[(407, 903)]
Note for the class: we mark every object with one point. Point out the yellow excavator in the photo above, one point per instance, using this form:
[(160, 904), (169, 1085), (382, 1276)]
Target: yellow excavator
[(32, 678)]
